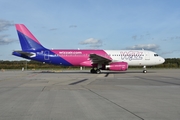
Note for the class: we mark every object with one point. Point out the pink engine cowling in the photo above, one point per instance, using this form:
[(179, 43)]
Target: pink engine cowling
[(117, 66)]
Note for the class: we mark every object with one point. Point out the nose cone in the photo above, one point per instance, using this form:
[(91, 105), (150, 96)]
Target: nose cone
[(161, 60)]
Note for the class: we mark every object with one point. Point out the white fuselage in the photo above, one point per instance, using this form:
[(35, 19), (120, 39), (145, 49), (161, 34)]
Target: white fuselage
[(135, 57)]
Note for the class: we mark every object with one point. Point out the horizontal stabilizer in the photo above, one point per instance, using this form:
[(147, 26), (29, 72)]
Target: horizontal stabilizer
[(22, 53)]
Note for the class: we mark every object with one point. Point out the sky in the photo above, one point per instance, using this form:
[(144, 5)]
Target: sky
[(93, 24)]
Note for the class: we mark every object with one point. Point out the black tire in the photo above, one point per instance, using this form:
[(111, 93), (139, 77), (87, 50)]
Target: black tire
[(93, 71), (98, 71), (144, 71)]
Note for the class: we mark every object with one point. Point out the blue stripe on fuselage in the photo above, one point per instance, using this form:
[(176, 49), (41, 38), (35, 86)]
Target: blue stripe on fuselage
[(52, 58)]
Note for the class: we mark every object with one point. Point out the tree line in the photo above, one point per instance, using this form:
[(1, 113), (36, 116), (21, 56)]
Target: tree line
[(169, 63)]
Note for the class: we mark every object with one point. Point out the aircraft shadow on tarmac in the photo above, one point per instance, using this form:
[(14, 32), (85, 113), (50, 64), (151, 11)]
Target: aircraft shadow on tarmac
[(87, 72)]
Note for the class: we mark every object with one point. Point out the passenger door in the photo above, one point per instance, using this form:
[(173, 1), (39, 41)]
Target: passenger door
[(147, 56)]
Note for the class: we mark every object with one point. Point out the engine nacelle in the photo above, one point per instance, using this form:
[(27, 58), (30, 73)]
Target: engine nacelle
[(117, 66)]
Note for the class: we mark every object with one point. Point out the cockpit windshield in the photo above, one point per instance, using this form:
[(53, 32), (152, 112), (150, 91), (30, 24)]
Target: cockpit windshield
[(155, 55)]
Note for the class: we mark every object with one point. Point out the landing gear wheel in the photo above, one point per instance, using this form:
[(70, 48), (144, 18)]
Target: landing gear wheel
[(92, 70), (98, 71), (144, 71)]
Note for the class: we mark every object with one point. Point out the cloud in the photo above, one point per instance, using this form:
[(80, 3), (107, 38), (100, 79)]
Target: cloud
[(53, 29), (72, 26), (170, 52), (134, 37), (146, 36), (95, 43), (152, 47), (91, 41), (175, 38), (95, 46), (4, 40), (4, 24)]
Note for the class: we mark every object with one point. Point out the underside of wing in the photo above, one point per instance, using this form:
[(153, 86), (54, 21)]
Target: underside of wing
[(98, 59)]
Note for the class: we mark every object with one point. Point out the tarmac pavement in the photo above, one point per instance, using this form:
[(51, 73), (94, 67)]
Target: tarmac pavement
[(80, 95)]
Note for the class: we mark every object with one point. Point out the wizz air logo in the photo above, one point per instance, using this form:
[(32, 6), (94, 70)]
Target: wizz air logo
[(131, 55)]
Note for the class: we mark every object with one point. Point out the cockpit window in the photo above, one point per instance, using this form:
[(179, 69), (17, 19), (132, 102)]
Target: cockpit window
[(155, 55)]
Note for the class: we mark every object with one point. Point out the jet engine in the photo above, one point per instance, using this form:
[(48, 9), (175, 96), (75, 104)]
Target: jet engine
[(117, 66)]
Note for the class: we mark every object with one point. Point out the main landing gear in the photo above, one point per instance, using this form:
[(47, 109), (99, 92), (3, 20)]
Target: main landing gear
[(144, 69), (98, 71)]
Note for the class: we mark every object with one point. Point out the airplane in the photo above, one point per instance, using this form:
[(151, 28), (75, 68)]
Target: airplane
[(113, 60)]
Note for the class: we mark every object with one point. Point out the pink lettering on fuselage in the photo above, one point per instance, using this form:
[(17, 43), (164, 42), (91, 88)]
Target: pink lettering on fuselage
[(131, 55), (70, 52)]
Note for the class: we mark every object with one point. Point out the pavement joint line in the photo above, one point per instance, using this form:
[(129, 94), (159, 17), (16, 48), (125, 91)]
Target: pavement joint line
[(19, 76), (62, 82), (128, 78), (114, 103), (159, 81), (92, 80), (43, 88)]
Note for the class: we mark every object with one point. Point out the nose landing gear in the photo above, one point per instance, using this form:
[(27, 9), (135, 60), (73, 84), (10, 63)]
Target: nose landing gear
[(144, 69)]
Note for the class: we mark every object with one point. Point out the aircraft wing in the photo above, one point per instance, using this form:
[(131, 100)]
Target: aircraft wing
[(95, 58)]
